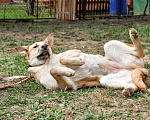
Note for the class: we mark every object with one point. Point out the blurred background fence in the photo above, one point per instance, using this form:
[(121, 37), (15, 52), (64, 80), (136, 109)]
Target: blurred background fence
[(27, 9), (71, 9)]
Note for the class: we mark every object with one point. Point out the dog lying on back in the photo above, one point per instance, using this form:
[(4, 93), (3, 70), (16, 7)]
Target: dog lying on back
[(122, 66)]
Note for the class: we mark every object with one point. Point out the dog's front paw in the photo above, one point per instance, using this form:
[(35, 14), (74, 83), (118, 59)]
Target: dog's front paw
[(70, 73), (133, 33), (127, 92)]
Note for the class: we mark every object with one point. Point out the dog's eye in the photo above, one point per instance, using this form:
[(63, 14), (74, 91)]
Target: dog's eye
[(35, 46)]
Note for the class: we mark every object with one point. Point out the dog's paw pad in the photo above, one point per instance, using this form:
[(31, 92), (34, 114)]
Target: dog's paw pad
[(127, 92), (134, 33)]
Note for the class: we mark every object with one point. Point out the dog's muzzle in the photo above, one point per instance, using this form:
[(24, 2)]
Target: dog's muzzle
[(45, 52), (44, 46)]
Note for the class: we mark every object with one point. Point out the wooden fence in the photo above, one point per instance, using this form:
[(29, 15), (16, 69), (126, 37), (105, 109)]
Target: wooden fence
[(92, 7), (66, 9), (43, 7)]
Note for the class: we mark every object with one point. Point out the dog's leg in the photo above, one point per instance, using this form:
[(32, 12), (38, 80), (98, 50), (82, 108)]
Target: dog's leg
[(72, 58), (127, 55), (121, 79), (137, 44), (49, 83), (61, 75), (64, 82), (139, 76), (72, 61), (62, 71)]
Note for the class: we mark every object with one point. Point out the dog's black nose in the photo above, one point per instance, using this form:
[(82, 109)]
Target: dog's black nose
[(44, 46)]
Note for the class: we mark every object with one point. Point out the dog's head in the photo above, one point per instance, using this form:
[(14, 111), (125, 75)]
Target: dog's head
[(39, 52)]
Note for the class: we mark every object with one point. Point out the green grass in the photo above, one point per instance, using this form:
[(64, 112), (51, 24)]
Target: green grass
[(30, 100), (18, 11)]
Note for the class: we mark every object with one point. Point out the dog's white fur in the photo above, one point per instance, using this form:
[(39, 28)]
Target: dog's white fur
[(74, 69)]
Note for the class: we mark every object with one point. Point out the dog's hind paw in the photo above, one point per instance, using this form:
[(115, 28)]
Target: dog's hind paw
[(133, 33), (127, 92)]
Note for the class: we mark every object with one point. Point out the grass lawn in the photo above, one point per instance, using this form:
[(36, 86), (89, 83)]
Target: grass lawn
[(30, 100), (18, 11)]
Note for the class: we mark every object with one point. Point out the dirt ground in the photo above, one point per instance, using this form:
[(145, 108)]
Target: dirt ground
[(134, 20)]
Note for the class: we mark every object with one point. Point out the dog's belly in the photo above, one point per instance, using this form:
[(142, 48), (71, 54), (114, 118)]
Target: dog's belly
[(95, 65), (98, 65)]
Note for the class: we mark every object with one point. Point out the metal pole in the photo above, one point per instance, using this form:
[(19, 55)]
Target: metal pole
[(4, 11), (120, 7), (37, 9)]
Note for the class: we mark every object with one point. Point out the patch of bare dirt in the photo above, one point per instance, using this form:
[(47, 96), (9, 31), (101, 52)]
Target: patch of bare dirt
[(134, 20)]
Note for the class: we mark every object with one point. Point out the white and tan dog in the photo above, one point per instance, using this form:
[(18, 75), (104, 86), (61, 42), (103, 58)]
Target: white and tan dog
[(122, 66)]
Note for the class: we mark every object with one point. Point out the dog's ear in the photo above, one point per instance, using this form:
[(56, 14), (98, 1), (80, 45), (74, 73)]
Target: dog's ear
[(50, 40), (22, 50)]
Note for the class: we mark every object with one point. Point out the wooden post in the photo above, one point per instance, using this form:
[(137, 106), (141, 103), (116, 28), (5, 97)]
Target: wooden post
[(63, 9), (74, 9), (66, 9)]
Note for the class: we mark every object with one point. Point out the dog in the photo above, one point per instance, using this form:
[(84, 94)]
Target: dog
[(121, 67)]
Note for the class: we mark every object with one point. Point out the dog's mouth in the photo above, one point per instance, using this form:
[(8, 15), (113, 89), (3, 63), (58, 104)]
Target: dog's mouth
[(45, 54)]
